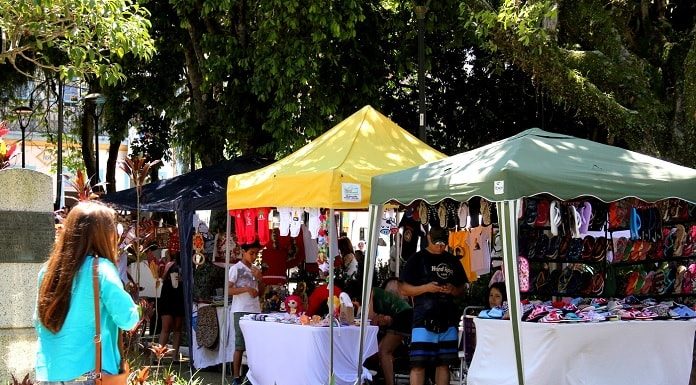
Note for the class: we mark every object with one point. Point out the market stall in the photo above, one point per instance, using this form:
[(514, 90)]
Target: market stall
[(202, 189), (332, 172), (525, 165)]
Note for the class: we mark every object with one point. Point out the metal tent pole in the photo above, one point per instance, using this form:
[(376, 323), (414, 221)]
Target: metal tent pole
[(368, 271), (332, 236), (508, 229), (223, 343)]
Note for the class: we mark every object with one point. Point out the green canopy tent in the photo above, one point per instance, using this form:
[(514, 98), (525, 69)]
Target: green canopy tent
[(530, 163)]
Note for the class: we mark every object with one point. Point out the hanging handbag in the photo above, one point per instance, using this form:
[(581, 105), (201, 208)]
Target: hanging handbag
[(124, 370)]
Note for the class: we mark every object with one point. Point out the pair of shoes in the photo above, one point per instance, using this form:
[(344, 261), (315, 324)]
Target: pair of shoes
[(237, 381)]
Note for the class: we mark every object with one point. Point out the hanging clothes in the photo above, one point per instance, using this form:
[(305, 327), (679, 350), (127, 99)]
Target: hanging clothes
[(275, 257), (480, 239), (412, 234), (262, 214), (460, 245)]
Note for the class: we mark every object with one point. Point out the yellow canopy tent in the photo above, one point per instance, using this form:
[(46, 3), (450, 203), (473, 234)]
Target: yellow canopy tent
[(335, 169)]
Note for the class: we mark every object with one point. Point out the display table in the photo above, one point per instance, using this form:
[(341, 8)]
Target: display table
[(286, 354), (203, 357), (616, 352)]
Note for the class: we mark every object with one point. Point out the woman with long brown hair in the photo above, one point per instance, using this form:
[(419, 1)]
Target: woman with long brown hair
[(64, 317), (350, 263)]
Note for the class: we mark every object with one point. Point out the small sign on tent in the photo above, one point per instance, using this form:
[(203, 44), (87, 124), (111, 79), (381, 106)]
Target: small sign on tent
[(351, 192)]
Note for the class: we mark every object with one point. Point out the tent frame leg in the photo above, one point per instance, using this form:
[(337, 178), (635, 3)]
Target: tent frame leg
[(507, 217)]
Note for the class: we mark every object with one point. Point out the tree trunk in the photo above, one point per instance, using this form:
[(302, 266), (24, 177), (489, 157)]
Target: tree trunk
[(111, 165), (192, 55), (87, 142)]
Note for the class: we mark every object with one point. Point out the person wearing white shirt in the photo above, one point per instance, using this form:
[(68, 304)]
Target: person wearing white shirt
[(245, 284)]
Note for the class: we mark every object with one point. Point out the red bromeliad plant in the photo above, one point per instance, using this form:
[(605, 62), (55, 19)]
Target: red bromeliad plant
[(141, 375), (138, 169), (83, 187), (7, 152)]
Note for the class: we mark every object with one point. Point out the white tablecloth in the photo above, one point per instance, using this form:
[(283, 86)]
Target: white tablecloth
[(618, 352), (203, 357), (284, 354)]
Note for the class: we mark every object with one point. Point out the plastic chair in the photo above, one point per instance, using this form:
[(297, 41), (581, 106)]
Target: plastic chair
[(467, 343)]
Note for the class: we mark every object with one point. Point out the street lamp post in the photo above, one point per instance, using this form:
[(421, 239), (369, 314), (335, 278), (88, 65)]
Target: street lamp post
[(420, 15), (98, 100), (23, 116), (59, 167)]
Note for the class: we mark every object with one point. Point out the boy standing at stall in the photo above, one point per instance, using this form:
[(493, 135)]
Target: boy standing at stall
[(244, 285), (434, 278)]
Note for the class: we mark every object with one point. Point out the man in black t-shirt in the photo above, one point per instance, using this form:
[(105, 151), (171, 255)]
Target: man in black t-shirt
[(434, 278)]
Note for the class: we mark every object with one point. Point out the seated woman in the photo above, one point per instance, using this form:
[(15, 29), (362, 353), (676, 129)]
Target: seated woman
[(350, 263), (497, 302)]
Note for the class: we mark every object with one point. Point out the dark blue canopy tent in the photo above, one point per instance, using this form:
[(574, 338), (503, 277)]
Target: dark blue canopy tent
[(202, 189)]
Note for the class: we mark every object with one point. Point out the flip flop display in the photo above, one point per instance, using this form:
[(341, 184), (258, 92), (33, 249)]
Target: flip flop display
[(634, 248)]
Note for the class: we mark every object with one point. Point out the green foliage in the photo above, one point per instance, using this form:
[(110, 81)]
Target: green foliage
[(236, 77), (89, 36), (72, 155), (622, 64)]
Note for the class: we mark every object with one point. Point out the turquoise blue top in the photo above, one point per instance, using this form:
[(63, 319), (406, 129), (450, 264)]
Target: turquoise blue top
[(65, 355)]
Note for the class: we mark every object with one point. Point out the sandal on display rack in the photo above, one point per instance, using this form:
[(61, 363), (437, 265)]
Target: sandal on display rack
[(619, 214), (586, 217), (599, 252), (574, 221), (588, 245), (542, 217), (575, 249), (679, 239), (554, 246), (635, 224), (531, 211), (555, 217)]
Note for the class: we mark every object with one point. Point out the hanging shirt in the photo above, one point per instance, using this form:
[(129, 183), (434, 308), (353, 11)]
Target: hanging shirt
[(239, 225), (276, 259), (296, 221), (249, 226), (314, 223), (459, 245), (411, 236), (311, 249), (284, 217), (262, 223), (481, 252)]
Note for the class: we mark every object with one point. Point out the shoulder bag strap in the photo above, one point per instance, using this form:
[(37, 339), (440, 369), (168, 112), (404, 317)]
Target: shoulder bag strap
[(97, 335), (97, 320)]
